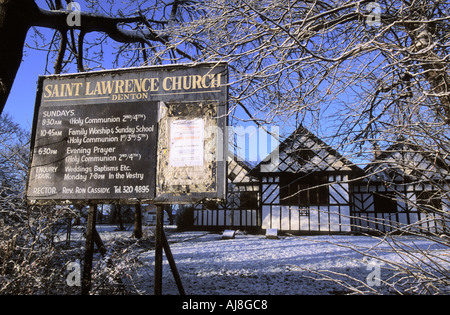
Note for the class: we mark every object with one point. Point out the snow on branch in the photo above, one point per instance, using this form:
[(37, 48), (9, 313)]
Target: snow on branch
[(91, 22)]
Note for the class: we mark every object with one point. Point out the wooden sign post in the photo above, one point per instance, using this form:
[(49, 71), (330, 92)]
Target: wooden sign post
[(89, 251), (158, 250), (161, 244)]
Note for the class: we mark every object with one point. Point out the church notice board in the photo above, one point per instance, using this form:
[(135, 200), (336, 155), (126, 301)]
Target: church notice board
[(149, 134)]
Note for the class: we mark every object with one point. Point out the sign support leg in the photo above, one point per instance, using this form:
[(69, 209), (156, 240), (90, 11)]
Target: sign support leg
[(98, 242), (158, 250), (137, 232), (172, 264), (161, 243), (89, 251)]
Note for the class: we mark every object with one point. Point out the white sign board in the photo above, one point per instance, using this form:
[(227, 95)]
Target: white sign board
[(187, 142)]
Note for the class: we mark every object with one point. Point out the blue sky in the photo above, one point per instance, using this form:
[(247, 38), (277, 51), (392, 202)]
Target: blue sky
[(20, 104), (21, 101)]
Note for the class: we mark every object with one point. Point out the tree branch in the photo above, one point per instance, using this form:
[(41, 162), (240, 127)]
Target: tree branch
[(80, 65), (61, 53), (95, 23)]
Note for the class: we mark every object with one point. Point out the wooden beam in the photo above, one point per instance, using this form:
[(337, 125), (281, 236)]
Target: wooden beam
[(172, 264), (158, 250), (89, 250)]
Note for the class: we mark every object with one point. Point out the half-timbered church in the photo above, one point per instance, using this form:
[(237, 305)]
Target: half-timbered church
[(307, 187), (405, 189), (307, 190)]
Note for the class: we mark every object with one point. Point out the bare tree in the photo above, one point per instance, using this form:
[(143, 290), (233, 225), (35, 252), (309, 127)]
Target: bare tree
[(296, 59), (291, 62), (145, 26), (14, 149), (362, 75), (366, 76), (27, 250)]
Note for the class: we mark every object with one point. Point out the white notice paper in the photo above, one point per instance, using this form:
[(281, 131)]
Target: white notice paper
[(187, 142)]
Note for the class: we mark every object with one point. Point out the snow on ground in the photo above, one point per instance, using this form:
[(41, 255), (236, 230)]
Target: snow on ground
[(253, 265)]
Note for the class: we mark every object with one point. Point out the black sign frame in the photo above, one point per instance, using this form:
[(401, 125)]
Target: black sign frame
[(173, 84)]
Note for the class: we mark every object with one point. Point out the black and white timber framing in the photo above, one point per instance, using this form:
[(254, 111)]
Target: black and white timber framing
[(307, 191), (405, 189), (307, 187), (241, 208)]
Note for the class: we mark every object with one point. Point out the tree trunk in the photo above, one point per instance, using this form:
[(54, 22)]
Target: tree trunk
[(15, 19), (137, 233), (119, 217), (168, 209), (437, 75)]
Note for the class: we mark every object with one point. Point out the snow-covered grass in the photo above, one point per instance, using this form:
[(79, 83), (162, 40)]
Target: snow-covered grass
[(252, 264)]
